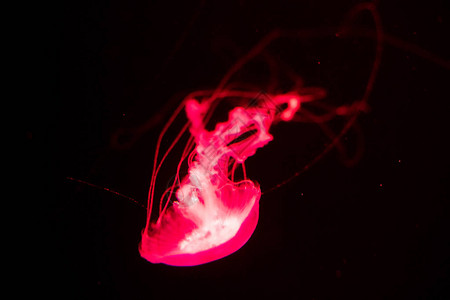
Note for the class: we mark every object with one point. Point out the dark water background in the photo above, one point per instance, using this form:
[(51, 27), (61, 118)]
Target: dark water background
[(377, 230)]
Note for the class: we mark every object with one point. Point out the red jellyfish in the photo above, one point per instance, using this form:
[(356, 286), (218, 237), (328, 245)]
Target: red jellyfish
[(214, 215)]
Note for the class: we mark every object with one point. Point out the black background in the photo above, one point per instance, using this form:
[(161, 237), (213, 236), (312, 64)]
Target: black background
[(374, 230)]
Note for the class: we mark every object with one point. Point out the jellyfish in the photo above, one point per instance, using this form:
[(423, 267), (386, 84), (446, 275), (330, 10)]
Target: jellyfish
[(214, 215), (208, 213)]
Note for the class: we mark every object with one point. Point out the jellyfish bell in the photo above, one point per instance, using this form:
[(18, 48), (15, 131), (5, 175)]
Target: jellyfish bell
[(204, 230), (214, 215)]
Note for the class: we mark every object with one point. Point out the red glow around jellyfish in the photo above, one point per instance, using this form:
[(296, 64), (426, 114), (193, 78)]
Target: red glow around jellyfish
[(213, 214)]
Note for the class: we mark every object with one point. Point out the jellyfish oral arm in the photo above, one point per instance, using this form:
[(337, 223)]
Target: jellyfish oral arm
[(293, 106)]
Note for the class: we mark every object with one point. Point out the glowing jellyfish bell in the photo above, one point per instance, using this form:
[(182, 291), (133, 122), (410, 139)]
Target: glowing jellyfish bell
[(214, 215)]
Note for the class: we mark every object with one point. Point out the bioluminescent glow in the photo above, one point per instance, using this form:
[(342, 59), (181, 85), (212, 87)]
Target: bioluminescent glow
[(214, 214)]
